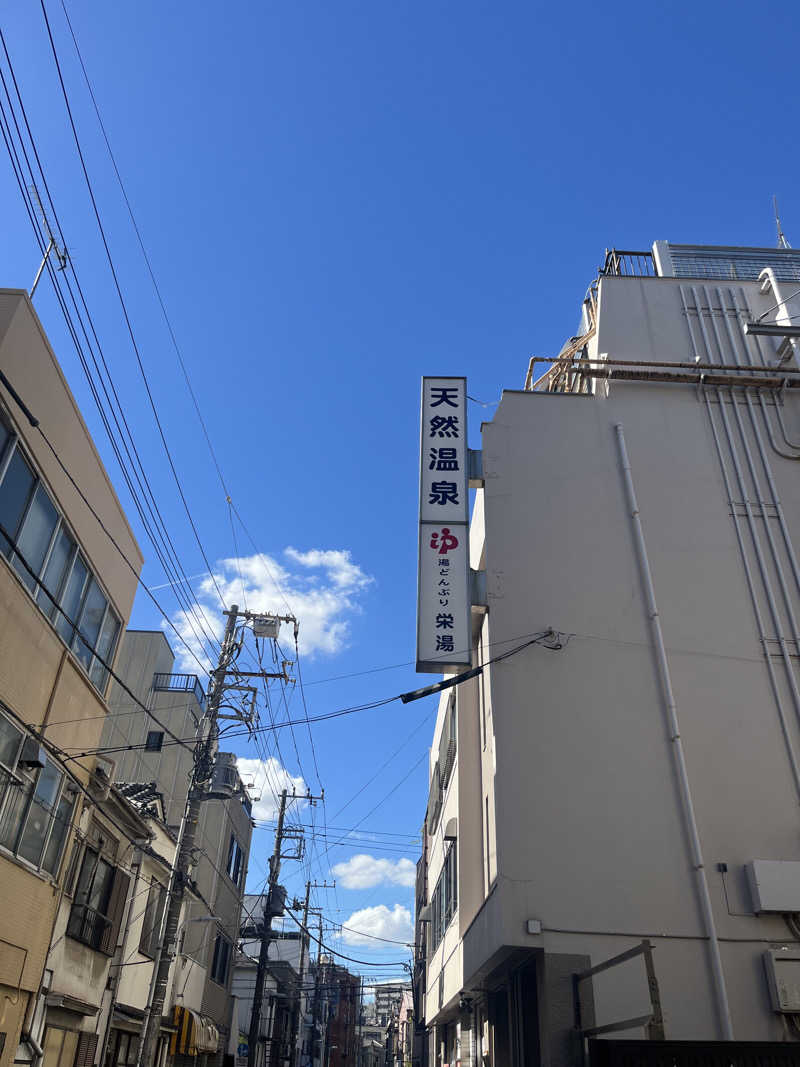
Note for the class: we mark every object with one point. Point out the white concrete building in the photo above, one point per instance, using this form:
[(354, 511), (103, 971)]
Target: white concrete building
[(633, 776)]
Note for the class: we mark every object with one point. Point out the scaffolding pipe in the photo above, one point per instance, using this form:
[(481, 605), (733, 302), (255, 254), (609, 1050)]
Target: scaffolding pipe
[(677, 745)]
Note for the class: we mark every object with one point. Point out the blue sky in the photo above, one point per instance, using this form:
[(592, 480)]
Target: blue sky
[(338, 199)]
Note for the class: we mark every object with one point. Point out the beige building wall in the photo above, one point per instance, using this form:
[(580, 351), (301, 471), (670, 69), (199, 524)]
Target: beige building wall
[(42, 683), (586, 832)]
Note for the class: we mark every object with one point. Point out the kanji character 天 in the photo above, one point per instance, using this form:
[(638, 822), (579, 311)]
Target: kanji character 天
[(444, 426), (443, 395), (443, 493), (443, 459)]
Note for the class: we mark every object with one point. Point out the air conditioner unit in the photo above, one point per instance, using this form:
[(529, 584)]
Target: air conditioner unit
[(32, 755)]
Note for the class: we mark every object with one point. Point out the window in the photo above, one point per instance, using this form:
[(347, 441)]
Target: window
[(155, 739), (46, 547), (444, 901), (153, 916), (235, 861), (59, 1046), (36, 804), (89, 918), (123, 1049), (220, 960)]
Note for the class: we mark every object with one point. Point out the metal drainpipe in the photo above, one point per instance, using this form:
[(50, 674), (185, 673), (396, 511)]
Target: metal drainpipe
[(776, 619), (677, 745), (762, 633), (793, 762), (776, 501)]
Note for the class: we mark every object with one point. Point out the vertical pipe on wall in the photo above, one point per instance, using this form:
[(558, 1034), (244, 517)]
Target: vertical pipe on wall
[(677, 744), (762, 633)]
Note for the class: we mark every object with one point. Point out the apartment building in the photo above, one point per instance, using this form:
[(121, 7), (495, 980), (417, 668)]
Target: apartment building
[(224, 831), (65, 596), (612, 845)]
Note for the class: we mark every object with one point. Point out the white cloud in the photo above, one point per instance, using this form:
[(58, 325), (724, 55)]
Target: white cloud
[(365, 872), (379, 921), (266, 779), (323, 587)]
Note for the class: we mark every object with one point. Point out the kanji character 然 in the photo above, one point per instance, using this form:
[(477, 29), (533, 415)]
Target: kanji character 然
[(444, 426)]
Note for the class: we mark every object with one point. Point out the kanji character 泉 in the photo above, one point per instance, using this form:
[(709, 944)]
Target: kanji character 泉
[(444, 396), (444, 621), (444, 643), (443, 459), (444, 426), (443, 493), (444, 542)]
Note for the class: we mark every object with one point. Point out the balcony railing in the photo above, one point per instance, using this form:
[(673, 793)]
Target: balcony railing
[(87, 925), (182, 683), (631, 264)]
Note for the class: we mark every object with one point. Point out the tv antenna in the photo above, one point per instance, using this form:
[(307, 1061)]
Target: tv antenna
[(52, 244), (782, 242)]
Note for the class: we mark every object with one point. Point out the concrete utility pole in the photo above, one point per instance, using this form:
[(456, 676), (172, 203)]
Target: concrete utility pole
[(305, 947), (203, 768), (266, 935)]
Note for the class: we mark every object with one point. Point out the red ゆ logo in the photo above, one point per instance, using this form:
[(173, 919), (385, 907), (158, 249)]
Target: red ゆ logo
[(443, 542)]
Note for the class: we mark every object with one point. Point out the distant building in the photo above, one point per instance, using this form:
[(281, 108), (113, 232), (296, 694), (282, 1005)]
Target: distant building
[(631, 780), (65, 596)]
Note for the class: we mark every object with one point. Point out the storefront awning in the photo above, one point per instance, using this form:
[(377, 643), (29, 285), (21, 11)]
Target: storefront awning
[(194, 1033)]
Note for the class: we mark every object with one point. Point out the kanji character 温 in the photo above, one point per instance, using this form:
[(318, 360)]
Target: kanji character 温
[(443, 459)]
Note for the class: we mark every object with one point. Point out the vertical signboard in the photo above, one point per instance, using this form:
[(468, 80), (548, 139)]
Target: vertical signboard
[(443, 601)]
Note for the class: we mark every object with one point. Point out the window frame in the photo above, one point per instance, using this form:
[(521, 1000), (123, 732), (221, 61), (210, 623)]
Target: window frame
[(213, 972), (30, 782), (234, 867), (97, 674), (97, 929)]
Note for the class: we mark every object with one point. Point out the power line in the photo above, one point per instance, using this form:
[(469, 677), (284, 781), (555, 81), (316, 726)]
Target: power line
[(341, 955), (166, 553), (124, 306)]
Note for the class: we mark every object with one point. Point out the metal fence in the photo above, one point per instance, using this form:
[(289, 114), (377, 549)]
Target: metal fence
[(184, 683)]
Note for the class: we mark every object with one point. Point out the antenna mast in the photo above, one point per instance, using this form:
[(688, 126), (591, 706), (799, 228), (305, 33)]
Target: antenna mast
[(52, 244), (782, 242)]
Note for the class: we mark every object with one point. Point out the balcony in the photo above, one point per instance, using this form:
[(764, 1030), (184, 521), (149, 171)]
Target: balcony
[(181, 683), (629, 264)]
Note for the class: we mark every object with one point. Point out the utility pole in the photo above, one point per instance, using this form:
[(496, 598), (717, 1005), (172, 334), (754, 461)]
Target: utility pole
[(203, 769), (266, 935), (297, 1036)]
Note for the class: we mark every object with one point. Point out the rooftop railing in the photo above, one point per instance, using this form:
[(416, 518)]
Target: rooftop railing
[(182, 683), (630, 264)]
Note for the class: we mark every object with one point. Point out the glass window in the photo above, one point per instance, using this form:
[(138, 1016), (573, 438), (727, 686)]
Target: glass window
[(5, 435), (41, 813), (94, 608), (106, 644), (10, 740), (54, 571), (35, 537), (15, 491), (219, 963), (59, 1047), (58, 834), (88, 919), (15, 795), (153, 916), (71, 600)]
